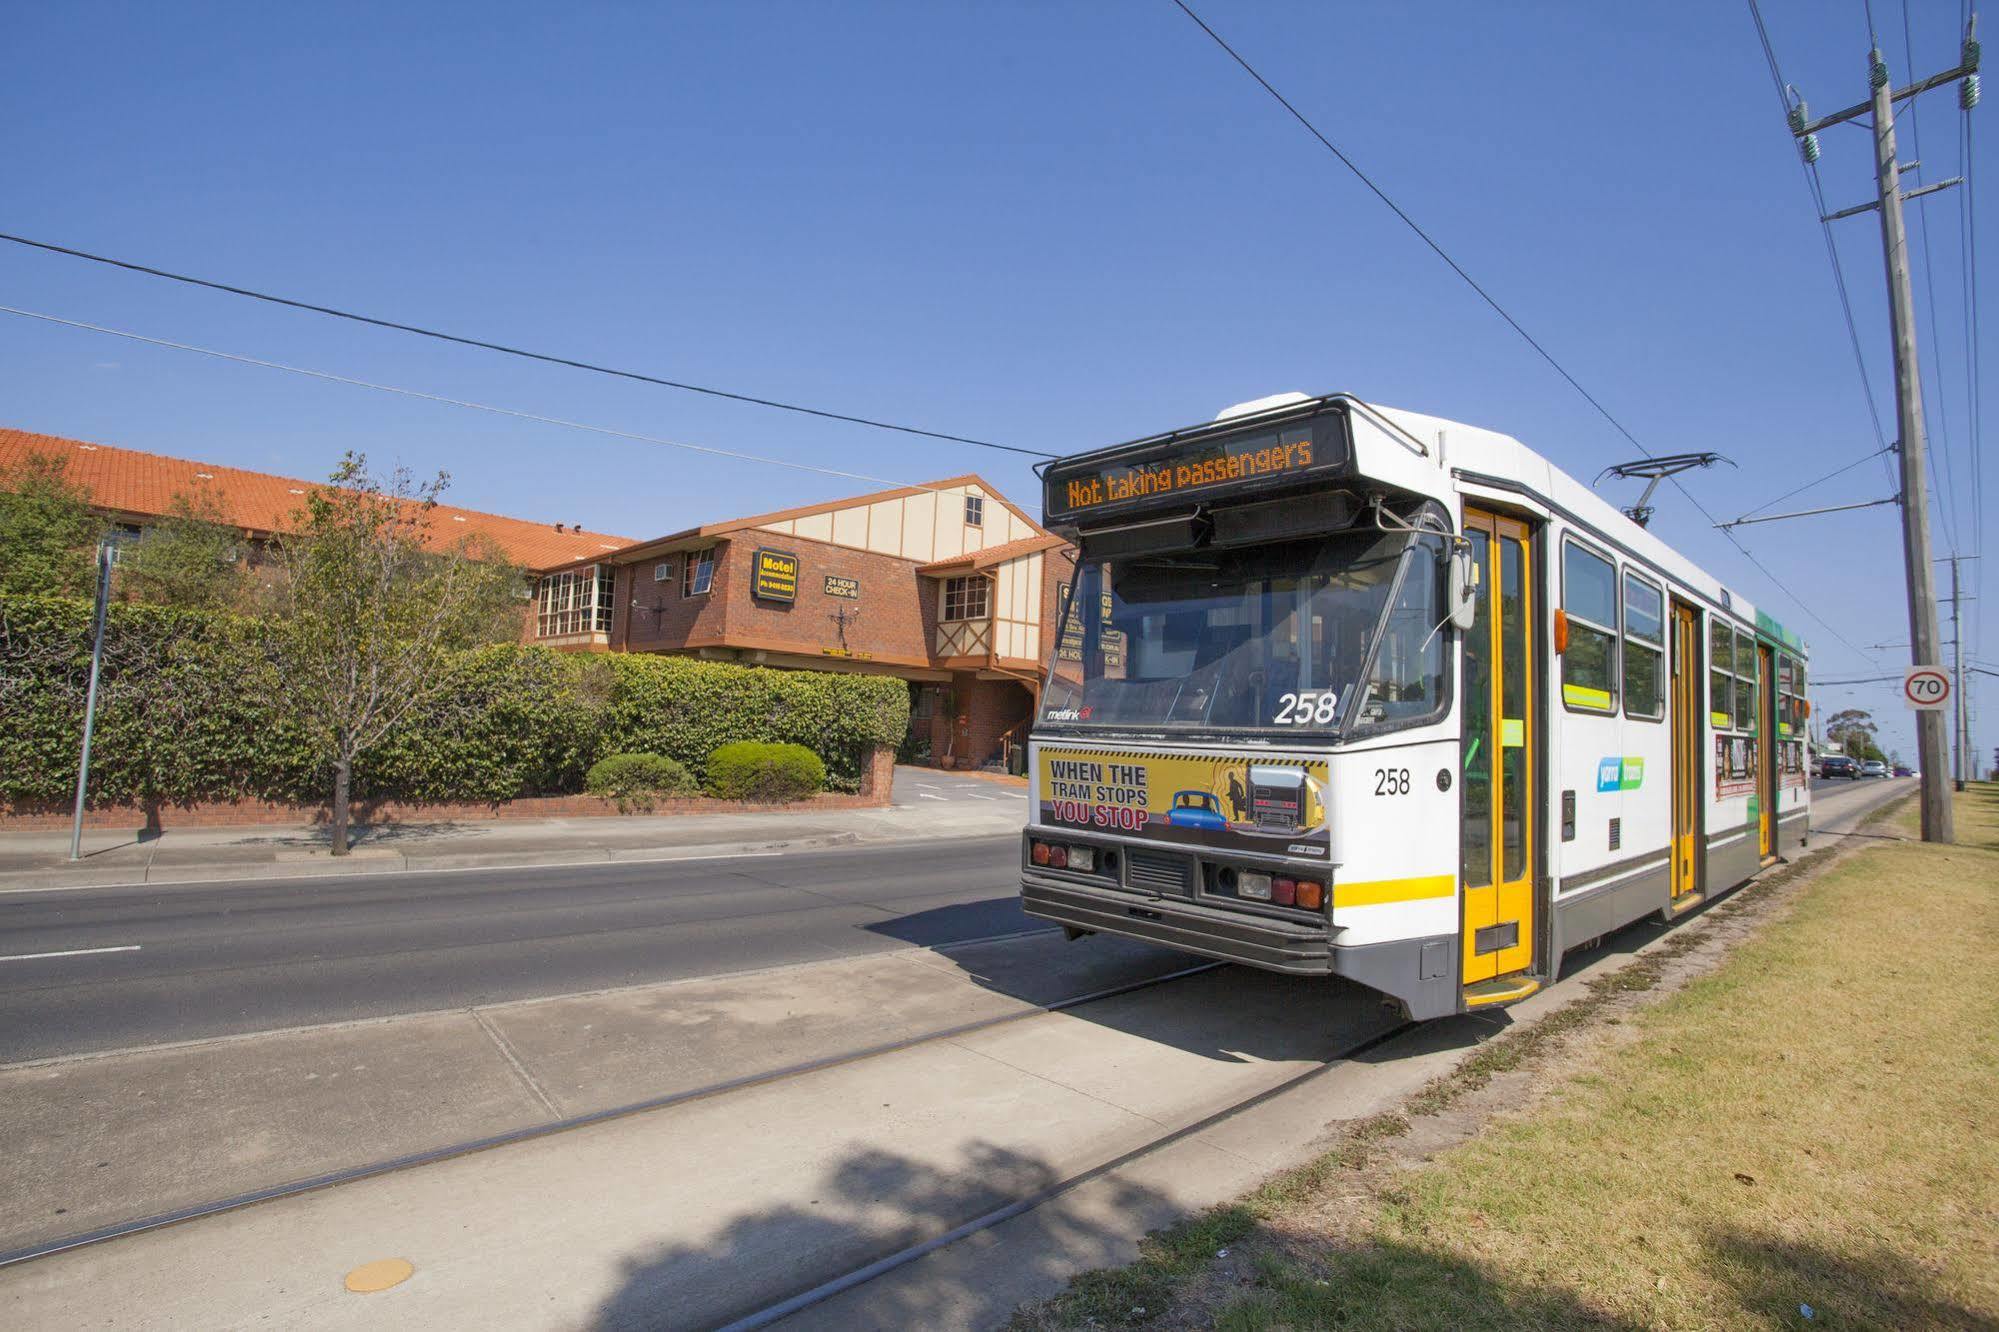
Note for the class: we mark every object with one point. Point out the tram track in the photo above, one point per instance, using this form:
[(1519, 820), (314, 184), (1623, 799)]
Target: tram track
[(772, 1314), (551, 1128)]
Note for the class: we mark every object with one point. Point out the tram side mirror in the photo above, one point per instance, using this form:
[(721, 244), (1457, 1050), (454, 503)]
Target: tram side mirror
[(1461, 605)]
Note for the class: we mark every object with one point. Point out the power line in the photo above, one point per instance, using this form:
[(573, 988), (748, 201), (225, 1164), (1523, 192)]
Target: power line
[(1500, 310), (545, 357), (1816, 189), (1946, 493), (1841, 471), (518, 414)]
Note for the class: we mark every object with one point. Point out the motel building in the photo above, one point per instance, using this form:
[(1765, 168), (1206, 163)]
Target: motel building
[(948, 585)]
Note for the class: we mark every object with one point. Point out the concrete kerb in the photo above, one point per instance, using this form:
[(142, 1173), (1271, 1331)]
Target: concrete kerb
[(377, 862)]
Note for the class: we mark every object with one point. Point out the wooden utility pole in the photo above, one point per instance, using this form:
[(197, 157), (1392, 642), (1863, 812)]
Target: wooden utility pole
[(1932, 741)]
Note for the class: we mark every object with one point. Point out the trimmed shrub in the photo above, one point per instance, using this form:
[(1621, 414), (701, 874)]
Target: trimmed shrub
[(685, 708), (749, 770), (192, 707), (636, 780)]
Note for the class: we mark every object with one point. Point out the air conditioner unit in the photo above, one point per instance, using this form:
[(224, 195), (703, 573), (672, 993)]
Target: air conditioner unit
[(662, 572)]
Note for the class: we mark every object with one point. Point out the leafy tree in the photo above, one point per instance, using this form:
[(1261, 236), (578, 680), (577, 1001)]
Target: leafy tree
[(48, 535), (371, 604), (1853, 731), (187, 560)]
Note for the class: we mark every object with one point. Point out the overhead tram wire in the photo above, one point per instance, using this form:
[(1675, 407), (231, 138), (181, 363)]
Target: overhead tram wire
[(1947, 489), (545, 357), (516, 413), (1816, 189), (1838, 471), (1511, 322)]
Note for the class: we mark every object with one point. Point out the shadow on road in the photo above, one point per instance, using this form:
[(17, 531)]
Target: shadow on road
[(868, 1205)]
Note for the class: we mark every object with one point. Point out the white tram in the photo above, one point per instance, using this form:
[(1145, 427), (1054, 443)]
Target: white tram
[(1346, 690)]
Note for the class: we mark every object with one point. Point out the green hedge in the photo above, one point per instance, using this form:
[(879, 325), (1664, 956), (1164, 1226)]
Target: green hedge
[(636, 781), (751, 770), (192, 708)]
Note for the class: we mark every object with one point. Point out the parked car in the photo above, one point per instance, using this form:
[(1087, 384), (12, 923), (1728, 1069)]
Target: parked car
[(1874, 768), (1904, 770), (1838, 765)]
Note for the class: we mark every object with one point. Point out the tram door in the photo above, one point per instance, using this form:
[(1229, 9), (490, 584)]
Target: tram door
[(1497, 847), (1766, 750), (1686, 723)]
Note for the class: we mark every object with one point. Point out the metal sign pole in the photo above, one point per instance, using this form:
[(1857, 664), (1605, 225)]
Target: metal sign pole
[(90, 699)]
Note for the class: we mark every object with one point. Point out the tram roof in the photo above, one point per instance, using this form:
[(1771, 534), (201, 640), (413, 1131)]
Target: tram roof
[(1465, 457), (1445, 460)]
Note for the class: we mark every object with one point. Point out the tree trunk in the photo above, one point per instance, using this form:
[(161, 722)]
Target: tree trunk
[(342, 770)]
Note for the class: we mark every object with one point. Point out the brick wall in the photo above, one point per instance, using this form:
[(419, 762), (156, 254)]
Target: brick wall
[(663, 619), (894, 615)]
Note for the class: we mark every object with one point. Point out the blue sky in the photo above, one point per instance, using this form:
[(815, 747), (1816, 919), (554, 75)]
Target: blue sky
[(1056, 225)]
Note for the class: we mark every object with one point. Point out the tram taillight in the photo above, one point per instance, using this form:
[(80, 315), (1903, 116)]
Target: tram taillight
[(1276, 889), (1057, 856)]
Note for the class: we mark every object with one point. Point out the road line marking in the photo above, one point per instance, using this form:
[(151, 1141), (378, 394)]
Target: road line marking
[(73, 952), (925, 795)]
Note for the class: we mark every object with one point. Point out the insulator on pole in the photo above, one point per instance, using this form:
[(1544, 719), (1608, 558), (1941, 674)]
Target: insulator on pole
[(1809, 146), (1877, 72), (1967, 92), (1970, 60), (1798, 117)]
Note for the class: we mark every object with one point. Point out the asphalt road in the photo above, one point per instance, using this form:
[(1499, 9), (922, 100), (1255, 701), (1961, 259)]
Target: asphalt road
[(139, 966)]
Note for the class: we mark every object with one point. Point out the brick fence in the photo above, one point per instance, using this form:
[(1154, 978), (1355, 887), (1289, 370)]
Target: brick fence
[(874, 794)]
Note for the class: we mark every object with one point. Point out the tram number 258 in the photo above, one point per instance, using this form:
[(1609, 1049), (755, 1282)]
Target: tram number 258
[(1391, 781)]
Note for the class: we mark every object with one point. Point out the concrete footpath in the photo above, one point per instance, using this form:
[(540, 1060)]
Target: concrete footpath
[(710, 1210), (926, 805)]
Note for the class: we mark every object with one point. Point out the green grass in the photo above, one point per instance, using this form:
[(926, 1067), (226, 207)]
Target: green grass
[(1807, 1125)]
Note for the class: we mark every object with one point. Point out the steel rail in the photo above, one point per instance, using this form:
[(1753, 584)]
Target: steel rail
[(860, 1276), (550, 1128)]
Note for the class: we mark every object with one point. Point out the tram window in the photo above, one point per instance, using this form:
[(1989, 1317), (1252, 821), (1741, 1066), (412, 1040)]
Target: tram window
[(1721, 676), (1589, 598), (1745, 681), (1644, 649), (1407, 685)]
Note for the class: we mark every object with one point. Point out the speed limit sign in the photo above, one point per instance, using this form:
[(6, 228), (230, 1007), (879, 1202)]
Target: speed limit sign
[(1926, 689)]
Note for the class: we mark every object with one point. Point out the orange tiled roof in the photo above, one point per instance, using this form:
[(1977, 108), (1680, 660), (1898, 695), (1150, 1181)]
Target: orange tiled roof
[(991, 555), (143, 485)]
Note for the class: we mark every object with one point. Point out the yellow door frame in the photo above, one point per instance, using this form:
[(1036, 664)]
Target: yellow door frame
[(1688, 664), (1766, 750), (1488, 950)]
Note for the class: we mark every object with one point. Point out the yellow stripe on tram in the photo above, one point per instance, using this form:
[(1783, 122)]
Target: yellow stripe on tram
[(1585, 697), (1382, 891)]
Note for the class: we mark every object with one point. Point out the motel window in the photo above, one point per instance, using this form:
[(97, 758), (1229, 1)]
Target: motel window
[(1589, 600), (975, 511), (1745, 681), (697, 572), (575, 601), (1644, 649), (966, 598), (663, 572)]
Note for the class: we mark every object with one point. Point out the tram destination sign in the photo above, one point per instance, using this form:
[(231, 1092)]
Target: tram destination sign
[(1207, 466)]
